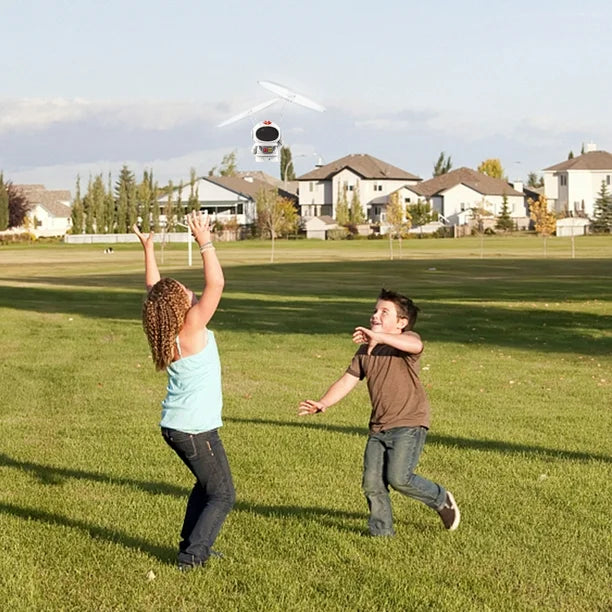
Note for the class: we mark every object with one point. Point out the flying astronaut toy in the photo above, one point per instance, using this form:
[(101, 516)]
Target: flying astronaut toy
[(266, 141), (266, 135)]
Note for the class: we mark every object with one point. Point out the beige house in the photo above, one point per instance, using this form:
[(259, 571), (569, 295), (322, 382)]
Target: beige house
[(455, 193), (572, 186), (371, 178), (50, 212), (317, 227)]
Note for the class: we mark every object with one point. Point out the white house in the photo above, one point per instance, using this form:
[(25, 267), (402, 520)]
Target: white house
[(453, 194), (50, 212), (572, 186), (372, 179), (225, 197)]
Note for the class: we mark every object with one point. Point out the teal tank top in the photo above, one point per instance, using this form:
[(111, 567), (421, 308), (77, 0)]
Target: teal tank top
[(194, 400)]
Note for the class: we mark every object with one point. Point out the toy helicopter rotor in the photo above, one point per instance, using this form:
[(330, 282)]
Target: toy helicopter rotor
[(266, 134)]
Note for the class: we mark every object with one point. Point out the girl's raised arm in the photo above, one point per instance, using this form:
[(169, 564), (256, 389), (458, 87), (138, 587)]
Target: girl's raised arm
[(151, 270), (202, 312)]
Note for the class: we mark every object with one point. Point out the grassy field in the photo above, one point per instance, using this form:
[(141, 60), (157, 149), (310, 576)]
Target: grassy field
[(517, 365)]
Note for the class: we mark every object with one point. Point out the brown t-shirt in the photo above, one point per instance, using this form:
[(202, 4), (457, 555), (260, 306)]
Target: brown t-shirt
[(396, 393)]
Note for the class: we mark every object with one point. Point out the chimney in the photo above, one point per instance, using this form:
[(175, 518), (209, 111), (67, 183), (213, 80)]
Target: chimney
[(517, 186), (248, 179), (589, 147)]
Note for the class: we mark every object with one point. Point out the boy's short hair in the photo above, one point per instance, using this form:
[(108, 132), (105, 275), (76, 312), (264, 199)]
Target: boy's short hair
[(406, 308)]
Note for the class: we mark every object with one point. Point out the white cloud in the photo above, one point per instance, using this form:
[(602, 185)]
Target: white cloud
[(63, 176), (39, 113)]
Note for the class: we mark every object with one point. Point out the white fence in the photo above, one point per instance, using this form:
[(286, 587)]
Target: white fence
[(183, 237)]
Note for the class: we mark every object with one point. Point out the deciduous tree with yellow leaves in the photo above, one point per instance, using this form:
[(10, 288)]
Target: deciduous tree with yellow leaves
[(545, 221)]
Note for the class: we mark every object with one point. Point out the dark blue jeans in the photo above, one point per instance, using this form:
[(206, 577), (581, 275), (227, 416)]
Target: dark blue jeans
[(389, 461), (212, 496)]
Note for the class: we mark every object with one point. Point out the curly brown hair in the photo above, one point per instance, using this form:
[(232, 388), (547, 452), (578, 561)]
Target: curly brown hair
[(163, 316)]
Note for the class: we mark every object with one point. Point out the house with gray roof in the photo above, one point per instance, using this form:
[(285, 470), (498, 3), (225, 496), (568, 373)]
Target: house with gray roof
[(455, 193), (572, 186), (50, 211), (371, 178), (226, 197)]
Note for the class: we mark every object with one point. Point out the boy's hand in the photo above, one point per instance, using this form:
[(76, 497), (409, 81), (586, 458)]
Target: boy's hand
[(364, 335), (310, 407), (199, 224), (146, 241)]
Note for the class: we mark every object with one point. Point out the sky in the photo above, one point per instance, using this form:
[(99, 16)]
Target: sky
[(89, 86)]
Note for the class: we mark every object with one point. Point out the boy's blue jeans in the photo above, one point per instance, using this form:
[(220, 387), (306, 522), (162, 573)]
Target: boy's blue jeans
[(389, 461), (212, 496)]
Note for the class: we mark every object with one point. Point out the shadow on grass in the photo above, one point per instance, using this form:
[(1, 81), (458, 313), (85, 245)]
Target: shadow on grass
[(53, 476), (546, 330), (498, 446), (510, 280), (163, 553)]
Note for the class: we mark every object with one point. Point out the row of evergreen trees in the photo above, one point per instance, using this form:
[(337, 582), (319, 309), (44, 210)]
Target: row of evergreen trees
[(105, 209)]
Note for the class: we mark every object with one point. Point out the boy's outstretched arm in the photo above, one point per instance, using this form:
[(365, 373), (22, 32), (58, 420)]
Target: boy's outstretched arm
[(341, 388), (151, 271), (409, 342)]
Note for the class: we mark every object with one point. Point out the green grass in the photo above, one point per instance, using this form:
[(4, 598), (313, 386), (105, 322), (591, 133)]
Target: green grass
[(517, 367)]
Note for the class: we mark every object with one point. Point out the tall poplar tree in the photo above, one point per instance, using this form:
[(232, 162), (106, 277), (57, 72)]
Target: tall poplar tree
[(179, 207), (155, 226), (125, 193), (342, 207), (88, 212), (193, 203), (144, 202), (109, 206), (287, 171), (356, 215), (97, 195), (169, 209), (443, 165)]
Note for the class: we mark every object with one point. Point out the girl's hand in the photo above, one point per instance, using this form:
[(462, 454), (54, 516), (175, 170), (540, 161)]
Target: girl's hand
[(146, 241), (199, 224)]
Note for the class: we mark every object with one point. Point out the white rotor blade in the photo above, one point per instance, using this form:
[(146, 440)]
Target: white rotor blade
[(246, 113), (291, 96)]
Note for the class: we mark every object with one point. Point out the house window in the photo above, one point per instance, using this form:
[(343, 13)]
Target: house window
[(563, 180), (351, 187), (406, 200), (608, 179), (377, 187), (311, 186), (462, 206)]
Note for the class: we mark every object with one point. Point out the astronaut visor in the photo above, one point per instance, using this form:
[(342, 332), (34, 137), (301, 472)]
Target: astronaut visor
[(267, 133)]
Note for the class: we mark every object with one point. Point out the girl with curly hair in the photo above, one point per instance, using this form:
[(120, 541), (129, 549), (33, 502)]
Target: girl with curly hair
[(175, 323)]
